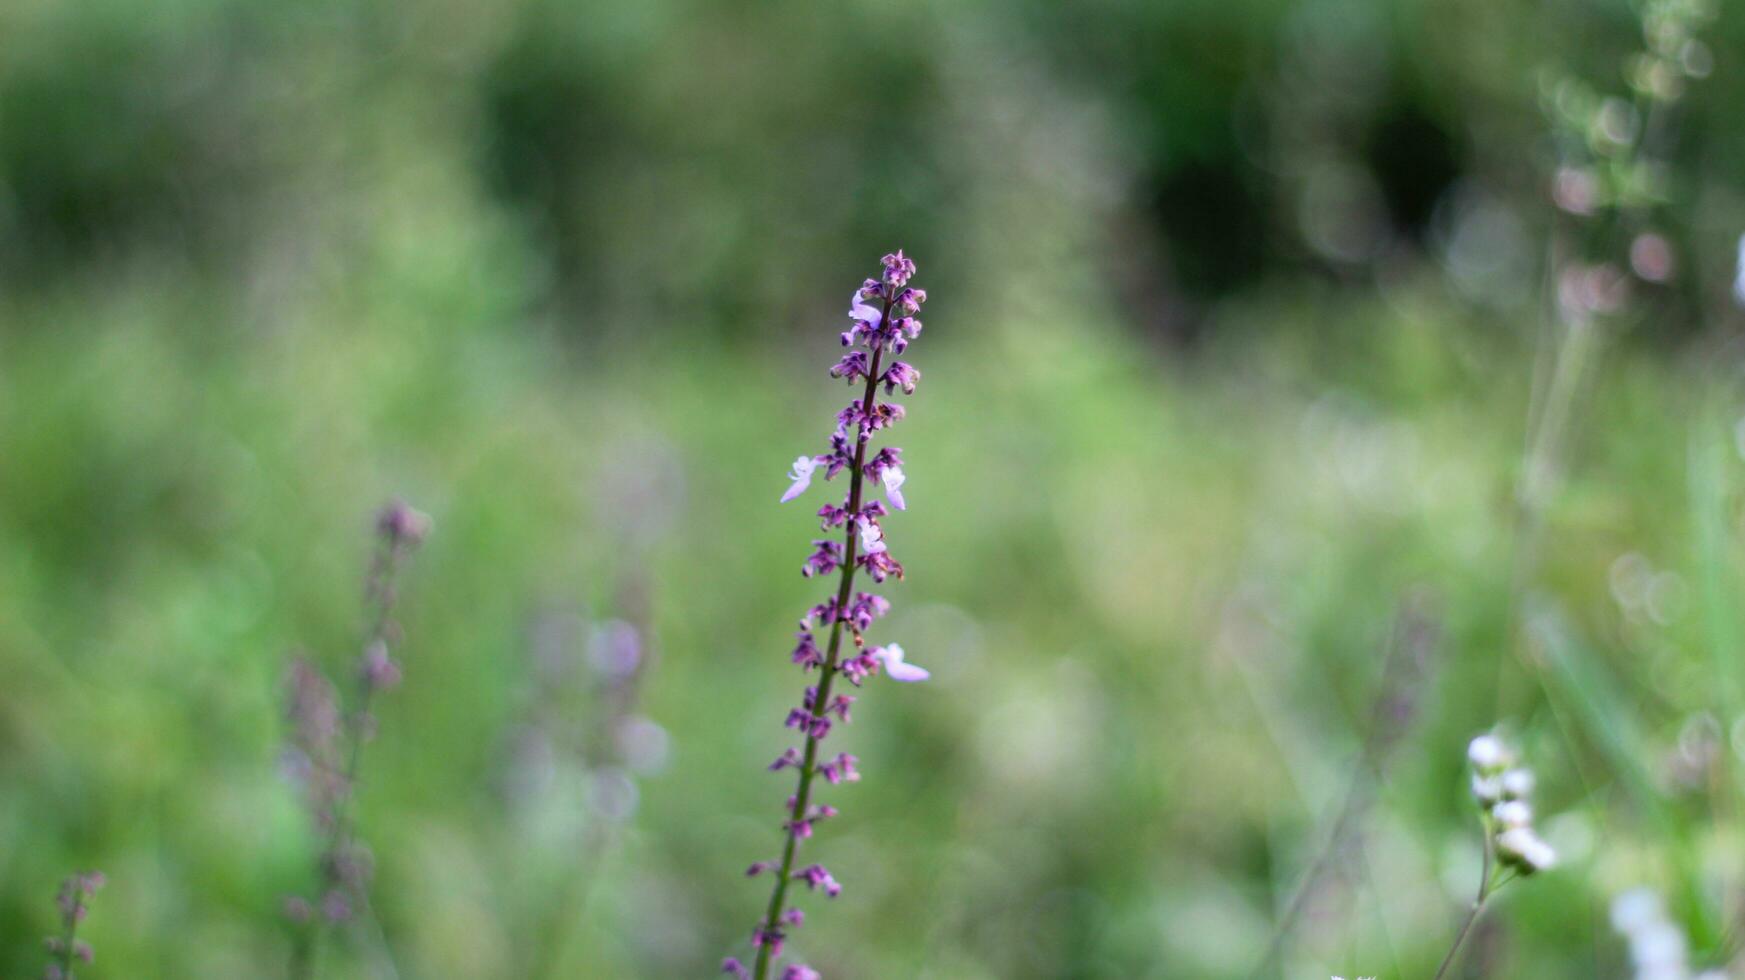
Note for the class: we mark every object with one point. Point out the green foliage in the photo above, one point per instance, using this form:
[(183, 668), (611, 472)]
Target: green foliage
[(568, 278)]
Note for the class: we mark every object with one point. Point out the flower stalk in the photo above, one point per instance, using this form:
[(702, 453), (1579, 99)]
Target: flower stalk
[(1512, 848), (884, 324), (74, 901), (321, 739)]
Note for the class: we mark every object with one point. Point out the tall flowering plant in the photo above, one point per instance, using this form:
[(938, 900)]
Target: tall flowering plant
[(883, 312), (1512, 848), (327, 742), (74, 900)]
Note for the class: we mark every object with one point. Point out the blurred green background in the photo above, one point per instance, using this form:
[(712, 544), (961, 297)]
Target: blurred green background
[(1238, 322)]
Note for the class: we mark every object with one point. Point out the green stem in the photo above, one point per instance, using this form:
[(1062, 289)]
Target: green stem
[(304, 952), (803, 794), (1484, 892), (66, 952)]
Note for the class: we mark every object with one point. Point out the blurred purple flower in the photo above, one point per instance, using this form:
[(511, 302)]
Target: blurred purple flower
[(73, 900)]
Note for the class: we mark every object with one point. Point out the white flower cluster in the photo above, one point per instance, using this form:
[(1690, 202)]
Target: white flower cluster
[(1657, 945), (1501, 787)]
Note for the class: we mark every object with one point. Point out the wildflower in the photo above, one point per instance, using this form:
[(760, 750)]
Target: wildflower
[(900, 375), (1516, 783), (883, 314), (1487, 753), (1658, 949), (892, 656), (379, 669), (857, 669), (1495, 777), (806, 651), (768, 939), (839, 770), (823, 560), (1500, 787), (816, 877), (802, 477), (1513, 813), (401, 525), (840, 705), (898, 269), (1522, 848), (865, 608), (872, 537), (321, 737), (853, 365), (1487, 790), (880, 565), (1651, 257), (893, 480), (73, 900), (861, 311)]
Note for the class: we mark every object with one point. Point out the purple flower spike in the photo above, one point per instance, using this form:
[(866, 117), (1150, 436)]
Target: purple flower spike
[(732, 967), (73, 900), (883, 317)]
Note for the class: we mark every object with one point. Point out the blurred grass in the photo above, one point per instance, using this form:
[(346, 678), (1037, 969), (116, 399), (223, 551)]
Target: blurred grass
[(1153, 590), (568, 279)]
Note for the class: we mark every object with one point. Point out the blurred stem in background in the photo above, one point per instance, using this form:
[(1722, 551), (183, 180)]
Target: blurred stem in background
[(1472, 914), (623, 662), (1611, 179), (575, 758), (74, 901), (1408, 668), (344, 867)]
